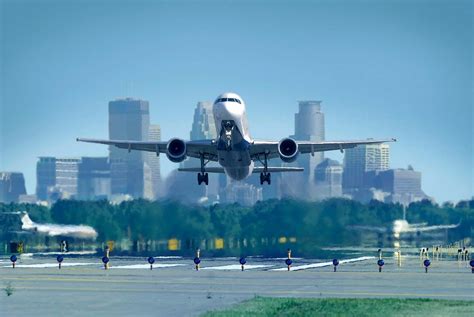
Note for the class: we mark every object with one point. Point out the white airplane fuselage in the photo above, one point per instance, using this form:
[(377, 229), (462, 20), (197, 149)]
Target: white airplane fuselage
[(233, 136)]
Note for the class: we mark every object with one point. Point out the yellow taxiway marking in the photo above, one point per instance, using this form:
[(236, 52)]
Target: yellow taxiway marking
[(250, 292)]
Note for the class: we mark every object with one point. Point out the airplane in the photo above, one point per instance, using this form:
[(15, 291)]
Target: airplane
[(234, 149), (72, 231), (399, 226)]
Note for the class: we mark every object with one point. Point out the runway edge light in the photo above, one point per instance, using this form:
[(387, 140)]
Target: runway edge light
[(380, 263), (151, 260), (60, 259), (242, 262), (13, 258)]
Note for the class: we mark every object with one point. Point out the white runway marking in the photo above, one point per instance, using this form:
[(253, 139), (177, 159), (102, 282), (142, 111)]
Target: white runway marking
[(47, 265), (323, 264), (144, 266), (235, 267), (57, 253)]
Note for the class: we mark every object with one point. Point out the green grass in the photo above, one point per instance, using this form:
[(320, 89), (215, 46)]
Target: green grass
[(264, 306)]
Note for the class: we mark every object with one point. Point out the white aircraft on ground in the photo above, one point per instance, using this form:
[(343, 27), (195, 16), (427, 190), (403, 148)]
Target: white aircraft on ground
[(234, 149), (54, 230)]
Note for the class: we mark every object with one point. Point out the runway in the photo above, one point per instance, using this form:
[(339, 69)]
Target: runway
[(174, 287)]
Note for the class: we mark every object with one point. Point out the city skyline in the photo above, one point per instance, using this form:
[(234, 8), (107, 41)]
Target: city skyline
[(414, 84)]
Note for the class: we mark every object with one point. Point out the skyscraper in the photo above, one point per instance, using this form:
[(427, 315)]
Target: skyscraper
[(58, 175), (360, 160), (72, 177), (403, 185), (129, 119), (204, 126), (154, 134), (328, 177), (309, 126), (94, 178), (45, 176), (12, 185)]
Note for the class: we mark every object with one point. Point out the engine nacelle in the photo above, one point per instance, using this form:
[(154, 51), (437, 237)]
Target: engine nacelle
[(288, 150), (176, 150)]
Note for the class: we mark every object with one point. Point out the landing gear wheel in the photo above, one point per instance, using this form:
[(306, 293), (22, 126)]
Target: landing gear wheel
[(203, 178), (265, 177)]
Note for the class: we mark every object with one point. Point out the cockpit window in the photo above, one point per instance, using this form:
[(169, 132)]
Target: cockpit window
[(228, 100)]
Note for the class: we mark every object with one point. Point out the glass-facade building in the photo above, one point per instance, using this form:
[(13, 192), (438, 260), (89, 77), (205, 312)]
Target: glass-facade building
[(129, 119)]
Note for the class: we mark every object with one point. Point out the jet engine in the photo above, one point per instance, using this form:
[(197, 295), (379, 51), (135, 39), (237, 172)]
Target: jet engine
[(176, 150), (288, 150)]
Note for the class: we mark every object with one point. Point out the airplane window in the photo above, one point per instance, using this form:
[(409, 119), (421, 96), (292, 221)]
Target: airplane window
[(224, 99), (237, 100), (231, 99)]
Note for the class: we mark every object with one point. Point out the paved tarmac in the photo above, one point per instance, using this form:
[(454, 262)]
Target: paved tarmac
[(174, 288)]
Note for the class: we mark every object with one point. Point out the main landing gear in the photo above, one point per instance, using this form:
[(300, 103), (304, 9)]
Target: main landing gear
[(203, 177), (265, 176)]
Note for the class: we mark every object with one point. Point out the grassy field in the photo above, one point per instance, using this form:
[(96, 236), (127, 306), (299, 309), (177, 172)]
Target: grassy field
[(264, 306)]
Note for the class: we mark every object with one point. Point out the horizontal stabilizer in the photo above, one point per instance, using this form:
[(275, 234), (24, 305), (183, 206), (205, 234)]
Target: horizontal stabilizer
[(198, 169), (277, 169), (258, 169)]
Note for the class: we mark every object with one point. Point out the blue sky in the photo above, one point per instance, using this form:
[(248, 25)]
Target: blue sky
[(382, 68)]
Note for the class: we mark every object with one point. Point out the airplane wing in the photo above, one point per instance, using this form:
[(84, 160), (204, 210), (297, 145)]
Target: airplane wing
[(257, 169), (258, 148), (432, 228), (193, 148)]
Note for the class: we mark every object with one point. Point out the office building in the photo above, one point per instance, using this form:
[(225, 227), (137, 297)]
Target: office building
[(204, 127), (309, 126), (328, 177), (70, 177), (57, 177), (402, 185), (94, 178), (12, 186), (240, 192), (129, 119), (360, 160), (153, 160)]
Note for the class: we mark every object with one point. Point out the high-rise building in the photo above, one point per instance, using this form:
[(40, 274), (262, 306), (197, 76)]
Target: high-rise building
[(309, 126), (154, 134), (129, 119), (57, 177), (403, 185), (204, 127), (94, 178), (12, 185), (63, 177), (328, 176), (360, 160), (45, 176), (240, 192)]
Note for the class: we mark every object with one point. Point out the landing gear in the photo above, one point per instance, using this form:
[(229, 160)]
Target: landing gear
[(203, 177), (265, 176)]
